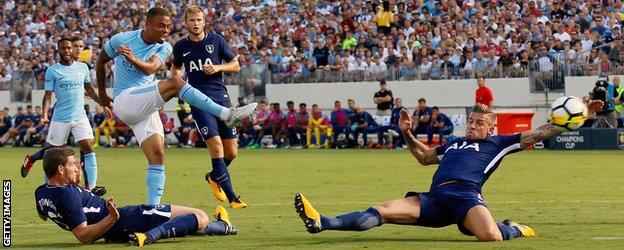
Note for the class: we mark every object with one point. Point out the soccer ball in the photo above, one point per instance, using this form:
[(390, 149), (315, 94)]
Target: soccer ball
[(568, 112)]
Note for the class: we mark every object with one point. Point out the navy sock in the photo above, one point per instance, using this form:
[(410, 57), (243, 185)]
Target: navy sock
[(215, 228), (227, 161), (221, 176), (509, 232), (355, 221), (84, 171), (175, 227), (39, 154)]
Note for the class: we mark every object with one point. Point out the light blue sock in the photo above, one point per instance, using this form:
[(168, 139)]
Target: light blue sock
[(155, 180), (90, 165), (198, 99)]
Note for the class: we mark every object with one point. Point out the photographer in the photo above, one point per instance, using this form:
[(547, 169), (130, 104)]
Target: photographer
[(606, 117)]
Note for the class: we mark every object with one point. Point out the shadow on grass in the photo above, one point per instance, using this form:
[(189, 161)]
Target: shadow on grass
[(335, 239)]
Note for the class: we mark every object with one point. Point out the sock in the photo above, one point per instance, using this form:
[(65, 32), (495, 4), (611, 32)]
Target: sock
[(215, 228), (221, 175), (155, 180), (39, 154), (90, 166), (227, 161), (175, 227), (198, 99), (107, 135), (509, 232), (85, 177), (355, 221)]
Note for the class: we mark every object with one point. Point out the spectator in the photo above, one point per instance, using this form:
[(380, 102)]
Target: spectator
[(440, 124), (484, 94), (383, 99), (5, 122), (102, 124), (619, 91), (384, 18), (390, 131), (422, 117), (32, 135)]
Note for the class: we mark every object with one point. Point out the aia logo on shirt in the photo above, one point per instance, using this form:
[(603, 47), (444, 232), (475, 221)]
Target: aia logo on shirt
[(464, 145)]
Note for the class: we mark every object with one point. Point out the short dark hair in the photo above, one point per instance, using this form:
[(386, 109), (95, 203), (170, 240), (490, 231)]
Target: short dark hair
[(290, 103), (157, 12), (263, 101), (422, 100), (337, 101), (76, 38), (63, 39), (435, 108), (302, 104), (54, 157), (382, 82), (28, 106), (350, 100), (314, 106)]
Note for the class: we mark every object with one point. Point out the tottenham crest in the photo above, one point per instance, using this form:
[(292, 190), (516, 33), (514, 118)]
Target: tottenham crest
[(210, 48)]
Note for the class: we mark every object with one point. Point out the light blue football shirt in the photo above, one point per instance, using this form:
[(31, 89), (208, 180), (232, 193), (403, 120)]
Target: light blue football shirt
[(67, 83), (125, 74)]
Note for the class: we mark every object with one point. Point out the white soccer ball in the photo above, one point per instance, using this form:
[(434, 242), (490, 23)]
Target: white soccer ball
[(568, 112)]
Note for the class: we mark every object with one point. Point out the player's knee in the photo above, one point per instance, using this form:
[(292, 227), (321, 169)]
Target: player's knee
[(230, 154), (176, 82), (490, 235), (202, 218)]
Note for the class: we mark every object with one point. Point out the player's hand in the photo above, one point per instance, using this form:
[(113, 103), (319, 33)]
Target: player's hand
[(593, 106), (405, 121), (108, 112), (44, 120), (126, 52), (210, 69), (112, 209), (106, 101)]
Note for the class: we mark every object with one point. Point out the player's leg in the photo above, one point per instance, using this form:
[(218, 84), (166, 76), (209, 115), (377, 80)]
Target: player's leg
[(57, 136), (155, 178), (404, 211), (479, 221), (183, 221), (176, 86), (219, 179), (84, 136)]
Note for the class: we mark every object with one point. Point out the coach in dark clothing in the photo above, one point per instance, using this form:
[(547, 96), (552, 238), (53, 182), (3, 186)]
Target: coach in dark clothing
[(384, 100)]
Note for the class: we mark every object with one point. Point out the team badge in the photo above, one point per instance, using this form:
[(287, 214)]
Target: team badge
[(204, 130), (210, 48)]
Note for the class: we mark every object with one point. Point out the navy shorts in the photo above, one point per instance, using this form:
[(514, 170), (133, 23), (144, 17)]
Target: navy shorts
[(139, 218), (210, 125), (445, 206)]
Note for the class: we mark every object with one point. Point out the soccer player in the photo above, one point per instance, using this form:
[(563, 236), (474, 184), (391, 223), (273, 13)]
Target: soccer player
[(138, 55), (465, 164), (89, 217), (205, 57), (68, 80)]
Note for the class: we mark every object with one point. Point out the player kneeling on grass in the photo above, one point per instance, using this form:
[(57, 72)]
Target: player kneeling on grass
[(455, 193), (89, 217)]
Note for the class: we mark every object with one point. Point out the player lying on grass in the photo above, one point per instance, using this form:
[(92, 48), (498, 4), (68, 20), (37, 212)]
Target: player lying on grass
[(89, 217), (455, 193)]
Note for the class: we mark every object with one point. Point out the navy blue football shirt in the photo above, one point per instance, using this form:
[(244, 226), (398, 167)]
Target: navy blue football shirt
[(194, 55), (69, 205), (473, 161)]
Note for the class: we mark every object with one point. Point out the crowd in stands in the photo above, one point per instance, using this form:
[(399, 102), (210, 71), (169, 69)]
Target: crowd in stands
[(348, 40)]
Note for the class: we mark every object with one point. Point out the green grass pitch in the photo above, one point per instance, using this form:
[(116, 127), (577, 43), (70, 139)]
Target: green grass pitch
[(574, 200)]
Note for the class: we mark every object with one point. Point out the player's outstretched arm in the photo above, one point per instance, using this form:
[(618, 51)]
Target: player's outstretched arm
[(86, 234), (424, 154), (100, 74), (92, 93), (548, 130)]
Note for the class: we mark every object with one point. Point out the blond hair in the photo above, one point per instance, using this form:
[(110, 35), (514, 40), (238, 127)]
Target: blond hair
[(484, 109), (193, 9)]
